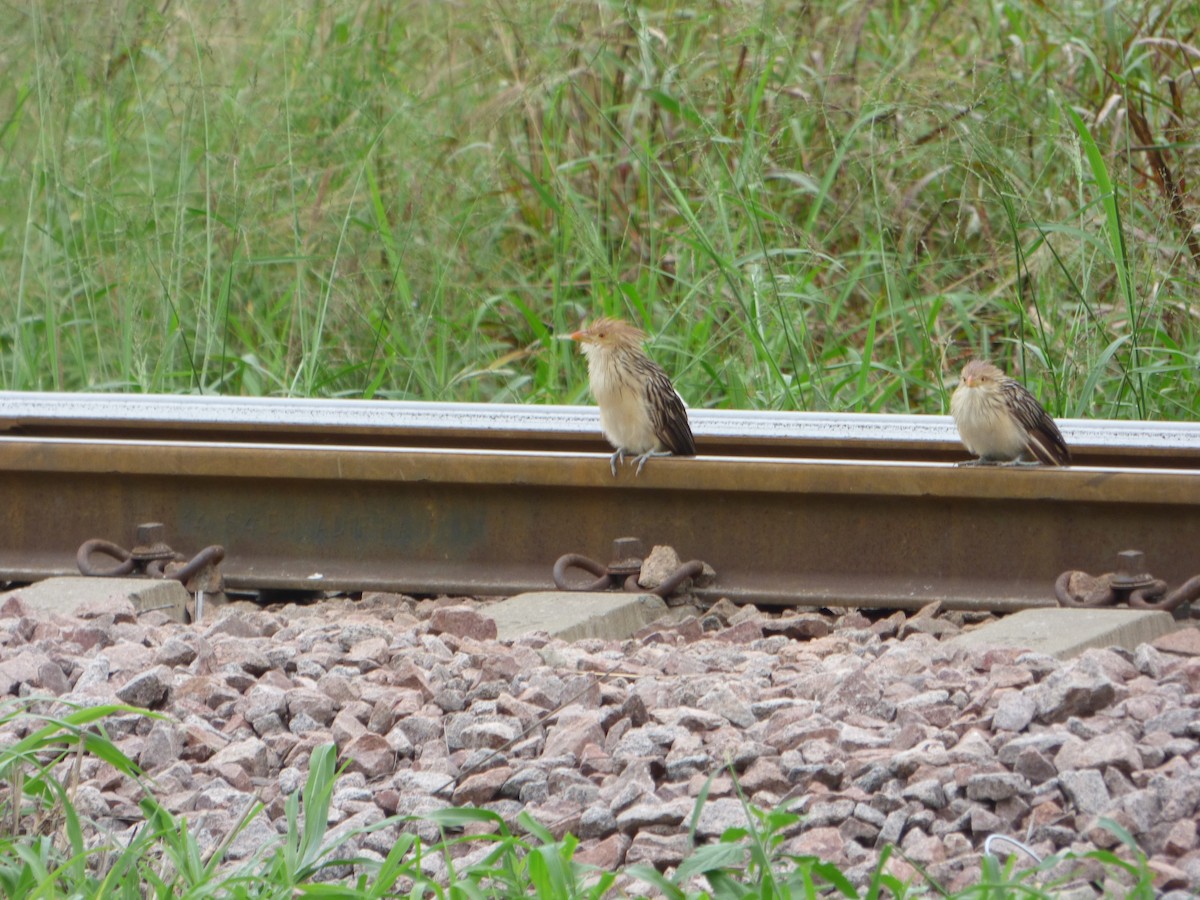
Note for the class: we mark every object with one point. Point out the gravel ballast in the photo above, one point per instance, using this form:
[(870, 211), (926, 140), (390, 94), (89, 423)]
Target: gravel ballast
[(875, 732)]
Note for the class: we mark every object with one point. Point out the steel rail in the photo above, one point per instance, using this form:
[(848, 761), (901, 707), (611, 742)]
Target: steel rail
[(804, 509), (515, 426)]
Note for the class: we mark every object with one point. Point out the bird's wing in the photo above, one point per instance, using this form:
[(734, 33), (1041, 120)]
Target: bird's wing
[(669, 415), (1043, 438)]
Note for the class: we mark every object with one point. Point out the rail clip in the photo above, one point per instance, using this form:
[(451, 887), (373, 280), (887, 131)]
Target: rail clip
[(1131, 584), (153, 557), (622, 572)]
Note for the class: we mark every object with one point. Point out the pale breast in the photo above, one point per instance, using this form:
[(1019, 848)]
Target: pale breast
[(986, 427), (624, 414)]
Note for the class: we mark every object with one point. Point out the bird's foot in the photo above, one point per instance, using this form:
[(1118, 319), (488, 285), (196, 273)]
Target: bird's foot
[(641, 459), (977, 462), (616, 459)]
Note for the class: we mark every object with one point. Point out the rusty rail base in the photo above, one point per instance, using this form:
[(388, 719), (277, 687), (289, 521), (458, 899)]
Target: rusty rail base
[(817, 532)]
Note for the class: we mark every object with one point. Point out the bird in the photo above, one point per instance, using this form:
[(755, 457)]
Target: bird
[(1001, 422), (641, 413)]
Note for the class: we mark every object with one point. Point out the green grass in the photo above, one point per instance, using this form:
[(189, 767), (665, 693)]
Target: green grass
[(49, 851), (818, 205)]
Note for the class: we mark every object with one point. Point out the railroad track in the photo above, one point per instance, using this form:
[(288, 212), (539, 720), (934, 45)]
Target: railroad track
[(791, 509)]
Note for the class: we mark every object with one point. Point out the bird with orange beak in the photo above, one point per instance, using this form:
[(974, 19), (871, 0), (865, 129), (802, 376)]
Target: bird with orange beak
[(641, 413), (1001, 422)]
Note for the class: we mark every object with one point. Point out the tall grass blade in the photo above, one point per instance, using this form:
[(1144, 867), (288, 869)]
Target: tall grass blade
[(1119, 252)]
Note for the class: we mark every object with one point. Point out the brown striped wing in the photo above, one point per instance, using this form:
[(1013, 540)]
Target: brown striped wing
[(668, 413), (1044, 439)]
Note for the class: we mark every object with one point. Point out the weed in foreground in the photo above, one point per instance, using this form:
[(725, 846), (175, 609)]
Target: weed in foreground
[(48, 850)]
